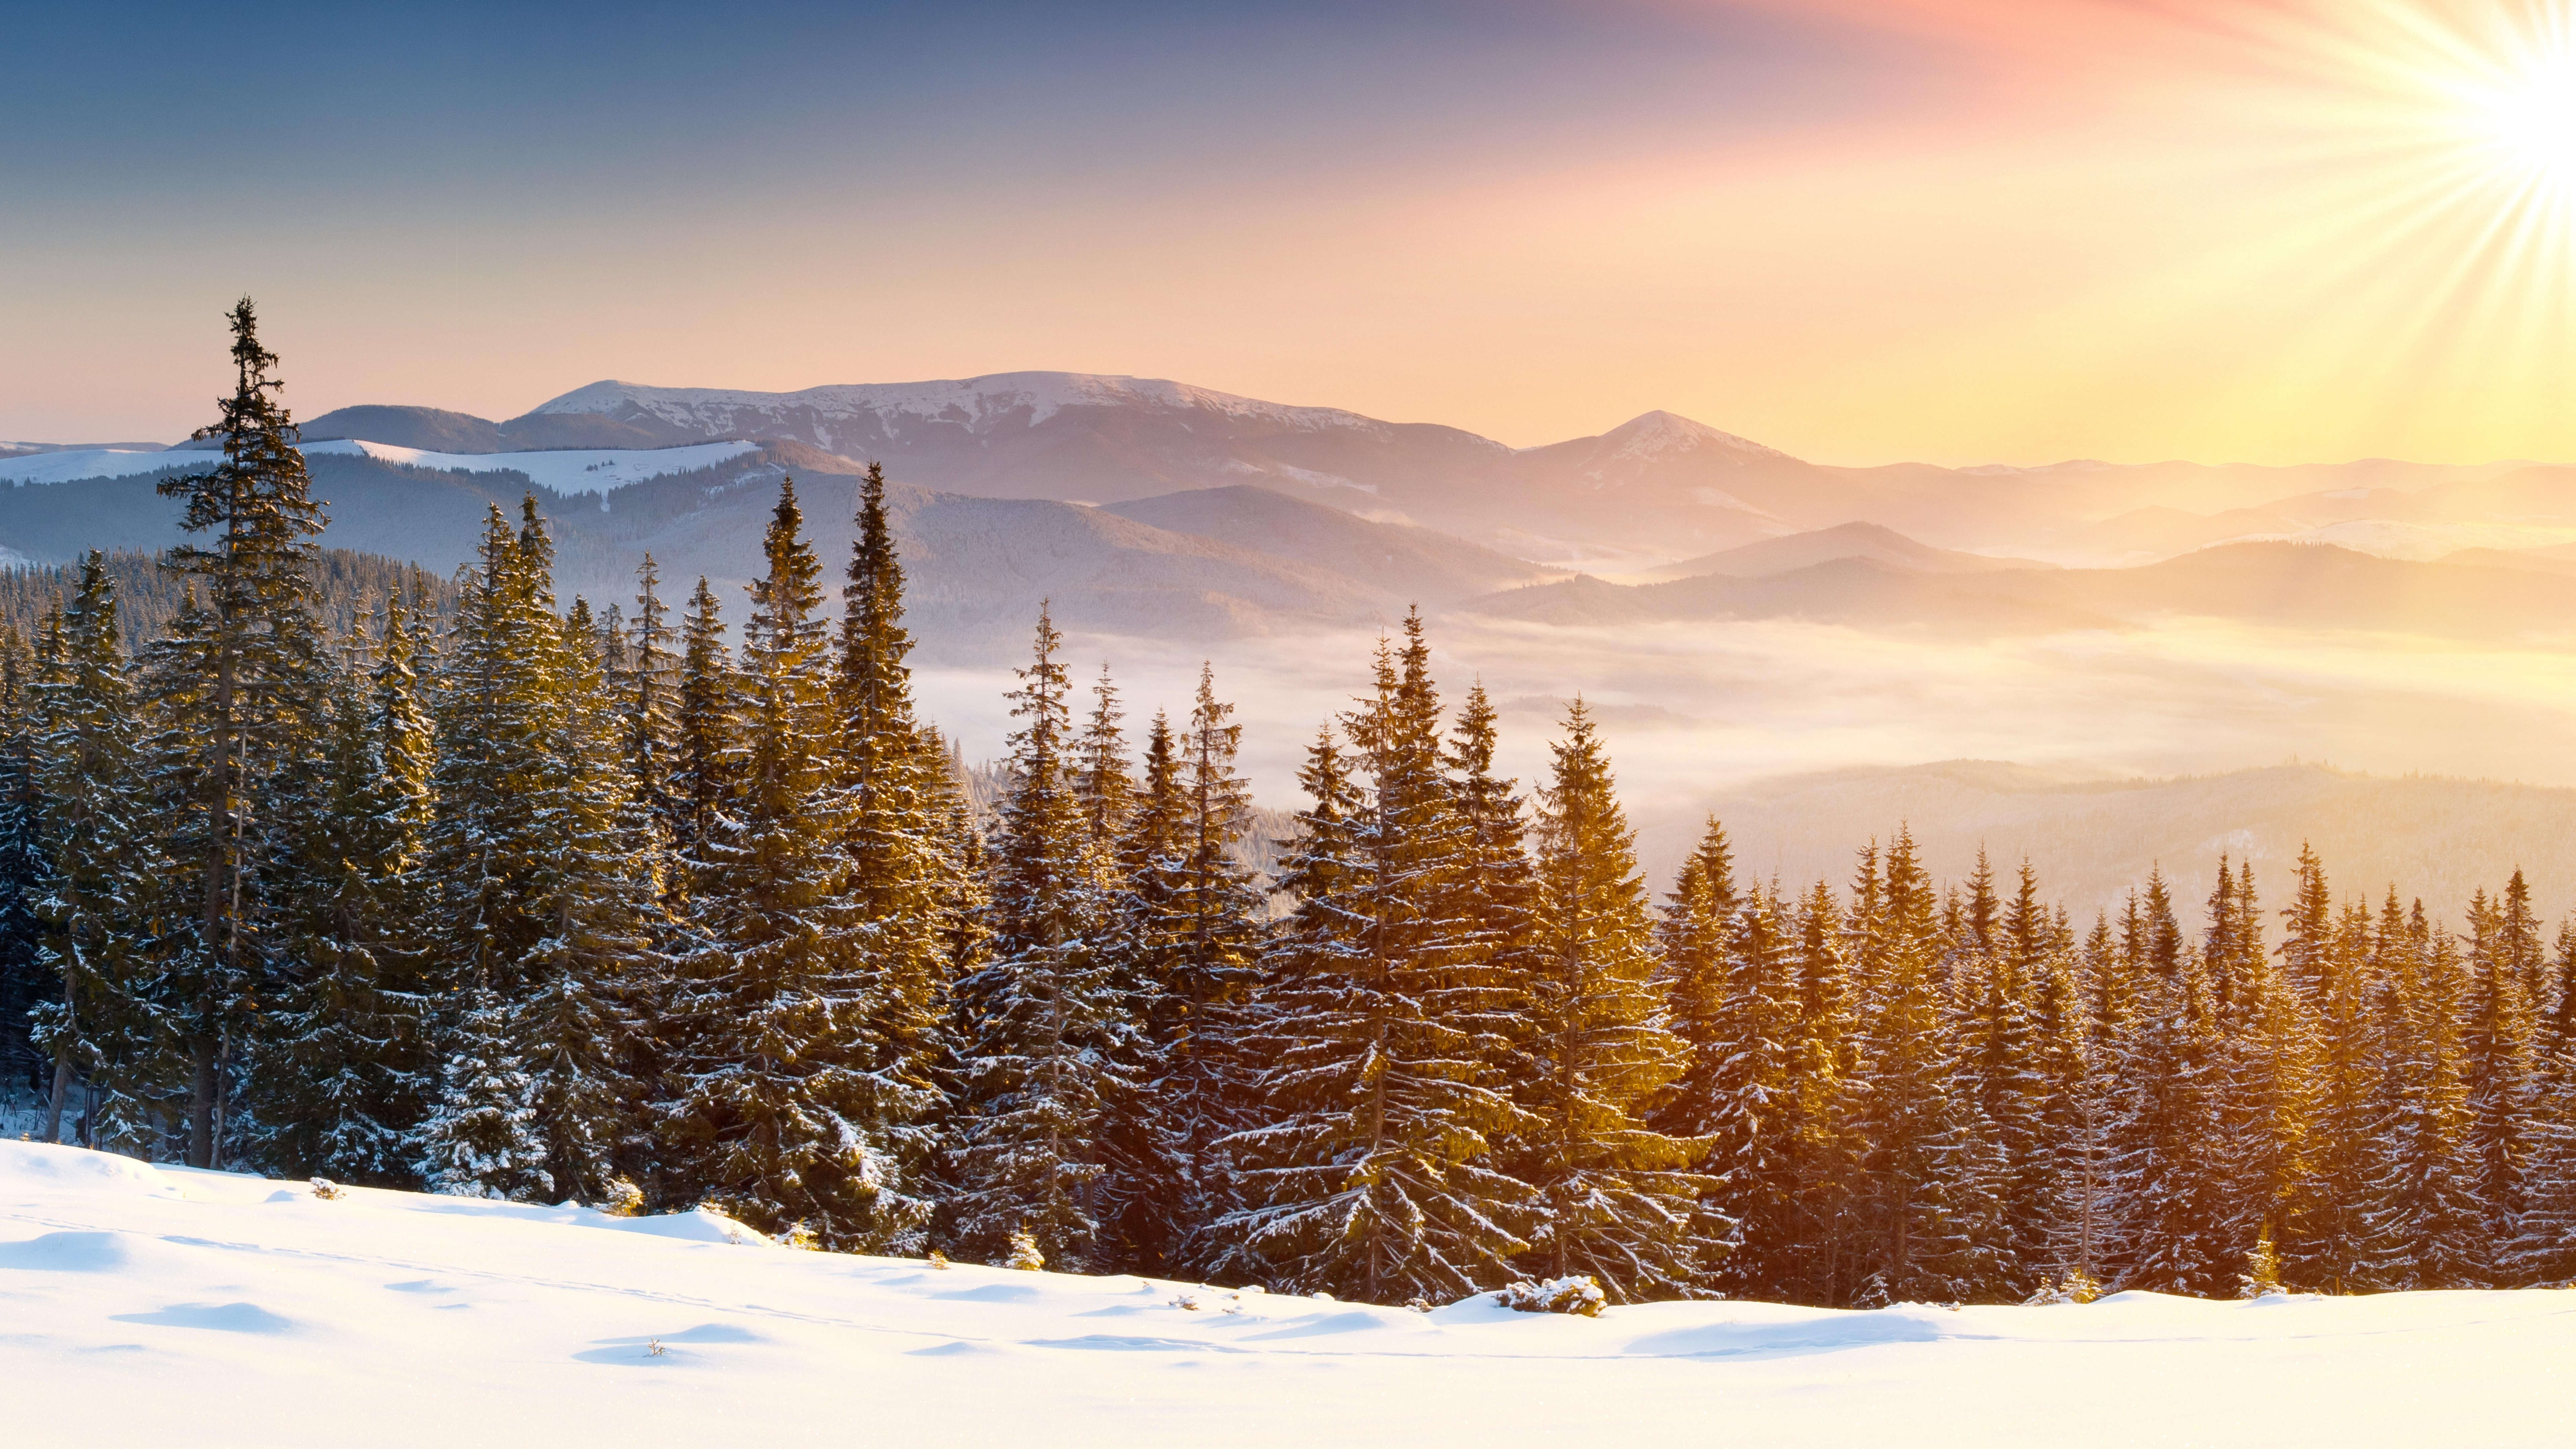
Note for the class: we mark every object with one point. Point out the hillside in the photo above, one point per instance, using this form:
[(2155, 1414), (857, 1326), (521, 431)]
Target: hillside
[(1656, 488), (978, 567), (2316, 586), (1423, 565), (2095, 839), (1849, 540), (265, 1315)]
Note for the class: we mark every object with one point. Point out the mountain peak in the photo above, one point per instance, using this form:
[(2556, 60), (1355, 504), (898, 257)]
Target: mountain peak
[(1659, 432)]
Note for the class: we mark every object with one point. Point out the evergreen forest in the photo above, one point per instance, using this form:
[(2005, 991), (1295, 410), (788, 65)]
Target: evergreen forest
[(313, 866)]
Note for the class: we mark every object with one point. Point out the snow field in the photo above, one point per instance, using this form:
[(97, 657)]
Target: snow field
[(158, 1305)]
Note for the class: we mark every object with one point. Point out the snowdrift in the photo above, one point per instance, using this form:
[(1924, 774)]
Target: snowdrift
[(159, 1305)]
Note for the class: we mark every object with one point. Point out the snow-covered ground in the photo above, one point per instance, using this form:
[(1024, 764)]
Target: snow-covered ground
[(144, 1305)]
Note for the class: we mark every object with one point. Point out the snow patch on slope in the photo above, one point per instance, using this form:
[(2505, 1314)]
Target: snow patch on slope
[(565, 470), (568, 470), (71, 464), (976, 403)]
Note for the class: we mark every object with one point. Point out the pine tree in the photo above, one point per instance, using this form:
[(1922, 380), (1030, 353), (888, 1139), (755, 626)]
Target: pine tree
[(102, 924), (1917, 1149), (2497, 1072), (21, 865), (2333, 1250), (1045, 1043), (1825, 1071), (2430, 1225), (782, 1114), (264, 663), (1373, 1177), (481, 1140), (1620, 1198), (343, 1079), (907, 861), (707, 724), (2168, 1142)]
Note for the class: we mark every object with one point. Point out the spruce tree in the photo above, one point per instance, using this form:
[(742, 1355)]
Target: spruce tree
[(343, 1079), (21, 865), (98, 894), (1620, 1199), (263, 659), (706, 725), (781, 1114), (1045, 1043), (1374, 1176)]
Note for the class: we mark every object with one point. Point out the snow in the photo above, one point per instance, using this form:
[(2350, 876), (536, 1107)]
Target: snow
[(566, 470), (977, 403), (65, 466), (158, 1305)]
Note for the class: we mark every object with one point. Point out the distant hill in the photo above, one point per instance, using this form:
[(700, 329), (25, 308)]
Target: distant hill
[(1244, 563), (2308, 585), (1655, 488), (1420, 564), (1849, 540), (2096, 839)]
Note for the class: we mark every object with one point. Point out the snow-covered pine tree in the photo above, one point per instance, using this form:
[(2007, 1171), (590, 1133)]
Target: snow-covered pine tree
[(645, 683), (2428, 1222), (482, 1139), (2169, 1149), (1043, 1040), (2270, 1090), (1906, 1106), (1824, 1063), (263, 655), (706, 727), (595, 985), (1739, 1096), (1493, 887), (343, 1079), (102, 919), (1374, 1176), (1991, 984), (905, 862), (2329, 1249), (2498, 1074), (781, 1115), (21, 862), (1707, 1008), (1621, 1199)]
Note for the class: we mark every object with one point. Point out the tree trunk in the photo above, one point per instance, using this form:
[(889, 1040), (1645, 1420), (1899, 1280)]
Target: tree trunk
[(201, 1104)]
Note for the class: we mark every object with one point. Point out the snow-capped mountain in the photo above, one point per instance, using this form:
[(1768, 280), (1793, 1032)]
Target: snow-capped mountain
[(849, 418)]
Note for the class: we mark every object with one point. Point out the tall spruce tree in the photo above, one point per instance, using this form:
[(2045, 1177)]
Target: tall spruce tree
[(98, 893), (263, 657), (781, 1115), (1374, 1176), (1621, 1201), (345, 1073), (1045, 1043)]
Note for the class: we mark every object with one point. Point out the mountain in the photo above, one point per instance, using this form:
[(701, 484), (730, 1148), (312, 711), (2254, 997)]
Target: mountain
[(1428, 567), (1850, 540), (2280, 584), (1236, 563)]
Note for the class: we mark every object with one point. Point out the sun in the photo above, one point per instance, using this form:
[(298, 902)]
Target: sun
[(2526, 119)]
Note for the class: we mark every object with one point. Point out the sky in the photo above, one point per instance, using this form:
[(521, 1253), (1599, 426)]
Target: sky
[(1959, 231)]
